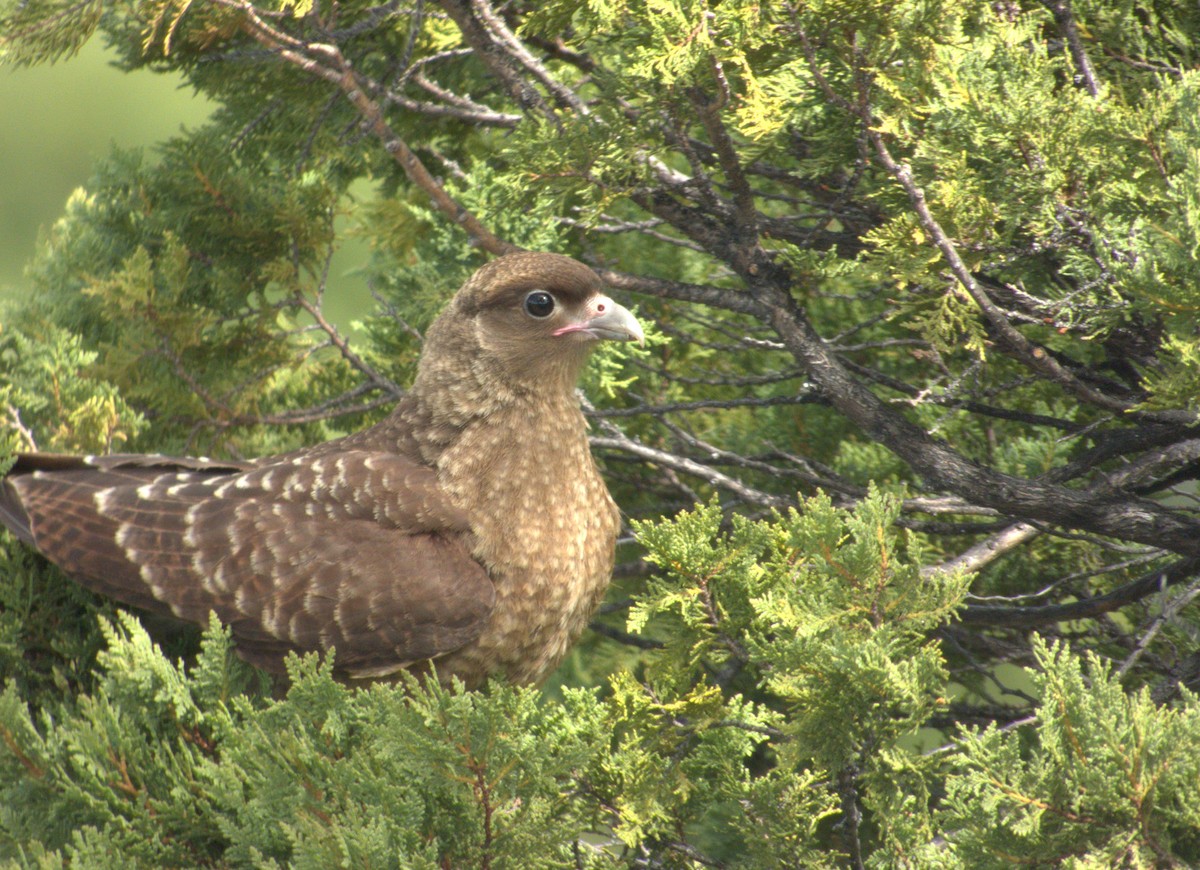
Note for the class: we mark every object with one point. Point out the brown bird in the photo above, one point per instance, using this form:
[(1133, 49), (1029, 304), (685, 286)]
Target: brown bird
[(470, 528)]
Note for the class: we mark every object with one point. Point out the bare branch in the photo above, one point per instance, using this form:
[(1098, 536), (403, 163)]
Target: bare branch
[(676, 407), (458, 108), (746, 226), (1169, 611), (1122, 517), (495, 53), (14, 421), (1136, 590), (518, 52), (617, 440), (624, 637), (327, 62), (358, 363), (715, 297), (1036, 358), (986, 551), (329, 410), (1065, 19)]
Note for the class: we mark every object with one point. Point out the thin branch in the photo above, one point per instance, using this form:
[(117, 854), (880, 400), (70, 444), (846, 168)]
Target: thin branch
[(518, 52), (714, 297), (1064, 17), (1118, 515), (327, 62), (325, 411), (1136, 590), (728, 457), (949, 401), (617, 440), (985, 552), (1169, 610), (495, 54), (470, 114), (709, 111), (624, 637), (677, 407), (1139, 561), (358, 363), (1036, 358), (14, 418)]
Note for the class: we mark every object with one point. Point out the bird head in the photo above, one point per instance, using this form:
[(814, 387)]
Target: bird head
[(529, 320)]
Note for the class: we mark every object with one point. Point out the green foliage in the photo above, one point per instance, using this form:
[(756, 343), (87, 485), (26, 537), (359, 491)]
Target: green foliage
[(48, 630), (827, 611), (167, 765), (797, 668), (850, 629), (182, 275), (795, 686), (52, 400), (166, 762), (44, 30), (1105, 780)]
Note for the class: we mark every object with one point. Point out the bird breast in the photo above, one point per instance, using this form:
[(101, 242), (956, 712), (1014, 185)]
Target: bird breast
[(545, 525)]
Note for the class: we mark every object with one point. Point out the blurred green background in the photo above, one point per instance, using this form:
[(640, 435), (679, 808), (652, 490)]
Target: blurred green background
[(57, 120)]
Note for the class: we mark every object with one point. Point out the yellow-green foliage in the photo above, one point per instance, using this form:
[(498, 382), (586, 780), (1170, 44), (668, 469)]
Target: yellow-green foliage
[(1100, 776), (793, 688)]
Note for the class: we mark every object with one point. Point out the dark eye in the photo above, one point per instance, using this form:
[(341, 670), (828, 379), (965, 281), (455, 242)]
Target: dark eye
[(539, 304)]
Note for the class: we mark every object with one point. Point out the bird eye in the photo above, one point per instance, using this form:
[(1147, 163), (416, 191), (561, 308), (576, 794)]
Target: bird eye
[(539, 304)]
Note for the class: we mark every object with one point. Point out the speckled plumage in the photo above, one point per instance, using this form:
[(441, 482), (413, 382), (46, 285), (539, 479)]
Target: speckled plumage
[(471, 527)]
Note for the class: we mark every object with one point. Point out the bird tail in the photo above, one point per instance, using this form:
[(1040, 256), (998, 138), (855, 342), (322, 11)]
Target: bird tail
[(12, 513)]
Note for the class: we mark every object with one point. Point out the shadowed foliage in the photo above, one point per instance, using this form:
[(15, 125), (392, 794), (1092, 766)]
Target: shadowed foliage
[(918, 401)]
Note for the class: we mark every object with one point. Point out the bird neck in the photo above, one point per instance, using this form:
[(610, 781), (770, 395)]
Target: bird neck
[(469, 402), (463, 378), (449, 408)]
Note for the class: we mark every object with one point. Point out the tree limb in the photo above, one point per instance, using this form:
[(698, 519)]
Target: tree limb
[(1028, 617)]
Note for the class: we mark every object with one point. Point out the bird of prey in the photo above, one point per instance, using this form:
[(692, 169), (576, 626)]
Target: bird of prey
[(469, 528)]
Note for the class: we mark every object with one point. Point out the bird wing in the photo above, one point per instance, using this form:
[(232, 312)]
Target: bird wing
[(358, 551)]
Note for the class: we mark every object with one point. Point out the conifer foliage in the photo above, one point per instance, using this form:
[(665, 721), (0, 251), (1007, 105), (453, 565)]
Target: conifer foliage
[(908, 461)]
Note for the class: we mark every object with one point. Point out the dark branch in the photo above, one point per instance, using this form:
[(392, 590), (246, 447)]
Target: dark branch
[(1130, 593)]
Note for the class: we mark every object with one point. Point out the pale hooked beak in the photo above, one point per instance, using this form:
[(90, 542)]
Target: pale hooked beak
[(605, 320)]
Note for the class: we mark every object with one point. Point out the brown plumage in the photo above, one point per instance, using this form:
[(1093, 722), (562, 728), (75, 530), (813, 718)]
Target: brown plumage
[(470, 527)]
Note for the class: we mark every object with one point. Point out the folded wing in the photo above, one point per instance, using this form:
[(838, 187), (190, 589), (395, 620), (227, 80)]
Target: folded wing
[(358, 551)]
